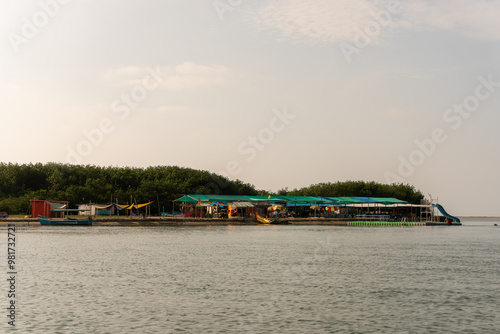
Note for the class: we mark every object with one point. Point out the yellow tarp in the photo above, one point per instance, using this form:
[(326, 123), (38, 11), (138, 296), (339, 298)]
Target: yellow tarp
[(104, 207), (138, 206), (123, 206)]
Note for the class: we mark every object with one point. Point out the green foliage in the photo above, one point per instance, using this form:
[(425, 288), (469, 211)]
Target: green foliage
[(82, 184)]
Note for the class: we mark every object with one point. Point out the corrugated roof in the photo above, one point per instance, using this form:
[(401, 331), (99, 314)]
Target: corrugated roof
[(290, 200)]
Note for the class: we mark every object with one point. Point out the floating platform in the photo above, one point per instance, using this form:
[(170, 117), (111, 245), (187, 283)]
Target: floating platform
[(168, 221), (381, 223)]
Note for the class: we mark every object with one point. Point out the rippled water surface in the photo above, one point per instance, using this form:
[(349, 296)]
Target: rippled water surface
[(258, 279)]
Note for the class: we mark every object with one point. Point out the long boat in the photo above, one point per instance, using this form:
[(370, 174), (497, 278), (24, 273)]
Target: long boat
[(262, 220), (65, 221), (266, 221)]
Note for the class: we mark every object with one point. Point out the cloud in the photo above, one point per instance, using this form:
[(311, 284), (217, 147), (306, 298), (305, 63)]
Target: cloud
[(126, 75), (326, 21), (190, 76), (317, 21), (185, 76), (474, 18), (190, 82)]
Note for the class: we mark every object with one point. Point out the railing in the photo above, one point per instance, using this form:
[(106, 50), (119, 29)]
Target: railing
[(374, 217)]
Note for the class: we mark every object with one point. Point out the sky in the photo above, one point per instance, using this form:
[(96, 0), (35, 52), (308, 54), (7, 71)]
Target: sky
[(276, 93)]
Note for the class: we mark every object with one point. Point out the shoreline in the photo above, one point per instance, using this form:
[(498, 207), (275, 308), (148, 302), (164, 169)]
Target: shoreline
[(170, 221)]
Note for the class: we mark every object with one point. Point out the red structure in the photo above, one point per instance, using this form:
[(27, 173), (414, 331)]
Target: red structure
[(43, 208)]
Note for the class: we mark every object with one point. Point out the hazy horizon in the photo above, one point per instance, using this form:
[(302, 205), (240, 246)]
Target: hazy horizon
[(275, 93)]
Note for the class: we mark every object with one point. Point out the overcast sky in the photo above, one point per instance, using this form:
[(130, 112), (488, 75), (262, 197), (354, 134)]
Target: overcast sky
[(274, 93)]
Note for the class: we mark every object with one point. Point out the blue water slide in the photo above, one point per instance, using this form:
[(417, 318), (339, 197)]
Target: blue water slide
[(444, 213)]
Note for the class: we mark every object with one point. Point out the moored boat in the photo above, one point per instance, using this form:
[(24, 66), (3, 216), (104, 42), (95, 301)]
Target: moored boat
[(262, 220), (266, 221), (65, 221)]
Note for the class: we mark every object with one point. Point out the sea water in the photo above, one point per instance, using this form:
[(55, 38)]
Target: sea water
[(256, 279)]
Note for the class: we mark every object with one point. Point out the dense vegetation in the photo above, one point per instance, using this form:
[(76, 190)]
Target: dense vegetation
[(82, 184)]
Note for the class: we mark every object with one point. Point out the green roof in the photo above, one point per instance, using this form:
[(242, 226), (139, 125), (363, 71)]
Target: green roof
[(194, 198), (258, 198), (299, 199), (387, 201), (346, 200)]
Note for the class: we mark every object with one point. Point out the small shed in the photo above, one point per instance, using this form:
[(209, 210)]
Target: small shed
[(44, 208)]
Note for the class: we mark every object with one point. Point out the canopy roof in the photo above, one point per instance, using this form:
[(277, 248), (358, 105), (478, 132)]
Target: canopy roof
[(288, 200), (299, 199), (58, 205), (388, 201), (195, 198), (345, 200)]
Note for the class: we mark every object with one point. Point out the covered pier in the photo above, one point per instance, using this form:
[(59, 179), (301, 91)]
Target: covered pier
[(233, 206)]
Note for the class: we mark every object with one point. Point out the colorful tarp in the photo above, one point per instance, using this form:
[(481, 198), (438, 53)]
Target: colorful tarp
[(138, 206), (121, 206)]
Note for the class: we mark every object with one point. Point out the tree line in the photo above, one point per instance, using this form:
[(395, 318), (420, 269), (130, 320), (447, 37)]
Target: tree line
[(78, 184)]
